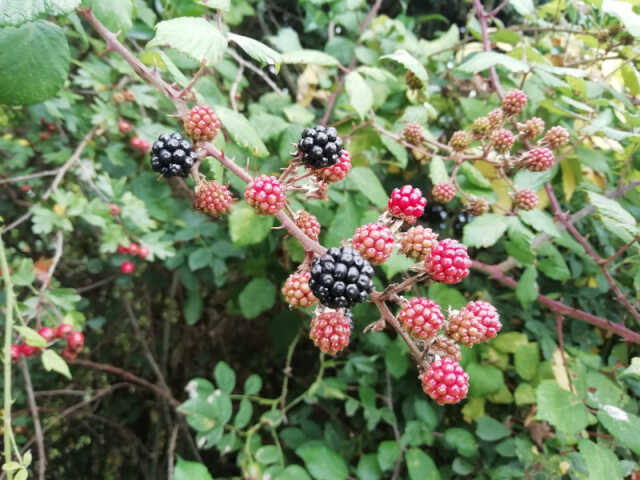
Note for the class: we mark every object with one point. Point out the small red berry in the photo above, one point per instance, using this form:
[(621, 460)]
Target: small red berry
[(122, 249), (265, 194), (45, 135), (16, 352), (556, 137), (412, 134), (124, 127), (75, 342), (63, 330), (421, 317), (68, 353), (201, 123), (443, 192), (502, 140), (114, 209), (538, 159), (336, 172), (464, 327), (459, 141), (129, 96), (525, 199), (374, 242), (143, 252), (487, 315), (407, 203), (127, 268), (308, 224), (330, 332), (25, 188), (514, 102), (448, 262), (446, 347), (531, 128), (47, 333), (133, 249), (136, 142), (28, 350), (51, 127), (417, 242), (213, 198), (445, 381), (296, 290), (144, 146)]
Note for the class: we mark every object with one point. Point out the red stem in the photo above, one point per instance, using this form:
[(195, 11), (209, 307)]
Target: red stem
[(486, 44)]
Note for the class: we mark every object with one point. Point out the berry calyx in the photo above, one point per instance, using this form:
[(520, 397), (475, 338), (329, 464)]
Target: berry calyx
[(448, 262), (374, 242), (412, 133), (127, 267), (320, 146), (487, 315), (514, 102), (417, 242), (412, 80), (477, 205), (538, 159), (213, 198), (47, 333), (466, 328), (201, 123), (63, 330), (502, 140), (446, 347), (296, 290), (309, 224), (421, 317), (445, 381), (75, 342), (337, 171), (407, 203), (459, 141), (124, 127), (525, 199), (556, 137), (443, 192), (341, 278), (330, 332), (172, 155), (531, 128), (114, 210), (265, 194)]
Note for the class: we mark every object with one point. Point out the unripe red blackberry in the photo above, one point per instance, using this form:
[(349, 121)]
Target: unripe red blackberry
[(448, 262), (47, 333), (421, 317), (531, 128), (459, 141), (127, 267), (296, 290), (213, 198), (417, 242), (320, 146), (514, 102), (16, 353), (75, 342), (63, 330), (465, 328), (481, 128), (538, 159), (201, 123), (446, 347), (495, 118), (308, 224), (330, 332), (502, 140), (477, 206), (338, 171), (487, 315), (374, 242), (407, 203), (525, 199), (412, 80), (445, 381), (265, 194), (412, 133), (443, 192), (556, 137)]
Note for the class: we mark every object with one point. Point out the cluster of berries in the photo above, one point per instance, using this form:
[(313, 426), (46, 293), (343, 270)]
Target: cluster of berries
[(47, 129), (64, 331), (127, 267), (124, 96), (135, 142)]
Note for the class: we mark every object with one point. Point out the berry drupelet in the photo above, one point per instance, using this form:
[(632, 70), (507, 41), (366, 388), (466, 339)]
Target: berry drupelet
[(172, 155), (320, 146)]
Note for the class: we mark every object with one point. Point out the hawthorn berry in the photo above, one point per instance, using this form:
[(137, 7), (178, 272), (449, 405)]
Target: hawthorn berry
[(63, 330), (309, 224), (330, 332), (412, 133), (421, 317), (133, 249), (502, 140), (448, 261), (407, 203), (320, 146), (495, 119), (265, 194), (487, 315), (337, 171), (480, 128), (465, 328), (47, 333), (122, 249), (201, 123), (531, 128), (28, 350), (443, 192), (16, 352), (213, 198), (124, 127), (136, 142), (477, 205), (341, 278), (417, 242), (114, 209), (374, 242), (514, 102), (75, 342), (143, 252), (296, 290), (412, 80), (68, 353), (172, 156), (127, 267), (446, 347), (556, 137), (445, 381), (459, 141), (25, 188), (538, 159), (525, 199)]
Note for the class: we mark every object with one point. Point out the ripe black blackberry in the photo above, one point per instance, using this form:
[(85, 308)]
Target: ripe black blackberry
[(172, 155), (320, 146), (459, 221), (436, 217), (341, 278)]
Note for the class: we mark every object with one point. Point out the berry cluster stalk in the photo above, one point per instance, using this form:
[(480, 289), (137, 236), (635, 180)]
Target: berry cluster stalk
[(6, 357)]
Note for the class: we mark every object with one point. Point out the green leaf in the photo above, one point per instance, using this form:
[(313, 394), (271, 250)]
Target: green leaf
[(624, 12), (245, 412), (40, 47), (446, 296), (524, 394), (293, 472), (540, 221), (438, 171), (223, 5), (200, 258), (523, 7), (509, 342), (195, 37), (462, 440), (52, 361), (615, 218), (116, 15), (367, 182), (258, 296), (360, 94), (185, 470), (314, 57), (553, 264), (396, 360), (225, 377), (526, 360), (388, 452), (561, 408), (420, 465), (252, 384), (485, 60), (489, 429), (440, 44), (17, 12), (601, 462), (368, 468), (242, 131), (483, 379), (193, 306), (410, 63), (395, 264), (31, 337), (256, 50), (474, 176), (624, 426), (527, 289), (344, 223), (268, 454), (246, 227), (485, 231), (322, 462)]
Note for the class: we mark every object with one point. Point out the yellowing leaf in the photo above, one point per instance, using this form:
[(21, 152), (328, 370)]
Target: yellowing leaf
[(559, 371), (593, 177), (568, 179), (543, 199), (504, 202)]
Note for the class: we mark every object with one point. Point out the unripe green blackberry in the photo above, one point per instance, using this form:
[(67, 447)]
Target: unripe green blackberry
[(412, 133), (481, 128), (495, 117), (531, 128), (413, 82), (556, 137), (477, 206), (502, 140), (459, 141)]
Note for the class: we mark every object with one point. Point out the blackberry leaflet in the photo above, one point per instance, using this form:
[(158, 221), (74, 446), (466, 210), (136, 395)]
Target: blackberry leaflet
[(341, 278), (172, 155), (320, 146)]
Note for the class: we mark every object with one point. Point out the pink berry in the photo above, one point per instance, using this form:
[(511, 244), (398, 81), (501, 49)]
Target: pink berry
[(308, 224), (465, 328), (127, 267), (538, 159), (448, 262), (374, 242), (63, 330), (525, 199), (514, 102), (68, 353), (122, 249), (213, 198), (502, 140), (556, 137), (47, 333), (265, 194), (133, 249), (296, 290), (531, 128), (28, 350), (114, 209), (201, 123), (412, 133), (421, 317), (330, 332), (336, 172), (407, 203), (445, 381), (124, 127), (143, 252), (487, 315), (443, 192), (16, 352), (75, 342), (136, 142)]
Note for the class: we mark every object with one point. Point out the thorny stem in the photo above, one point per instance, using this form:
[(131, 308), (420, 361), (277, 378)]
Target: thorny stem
[(486, 44), (8, 327)]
